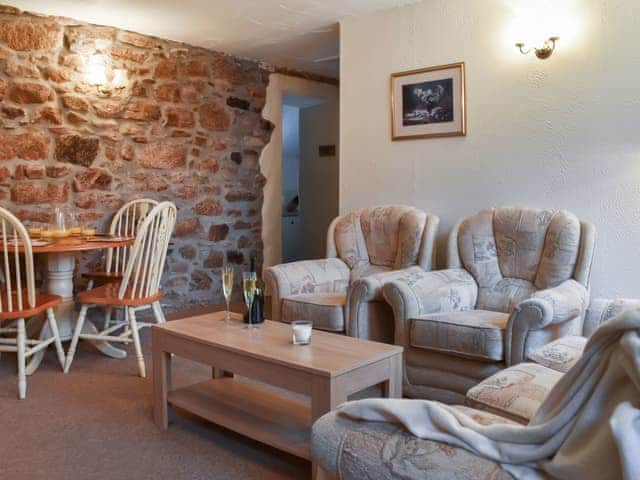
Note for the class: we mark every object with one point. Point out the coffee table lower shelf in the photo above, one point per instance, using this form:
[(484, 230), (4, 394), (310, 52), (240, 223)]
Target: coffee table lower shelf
[(258, 411)]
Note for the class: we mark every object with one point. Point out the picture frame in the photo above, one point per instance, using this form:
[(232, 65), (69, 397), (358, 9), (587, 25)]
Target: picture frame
[(429, 102)]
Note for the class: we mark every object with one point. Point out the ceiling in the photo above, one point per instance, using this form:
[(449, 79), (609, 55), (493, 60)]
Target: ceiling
[(298, 34)]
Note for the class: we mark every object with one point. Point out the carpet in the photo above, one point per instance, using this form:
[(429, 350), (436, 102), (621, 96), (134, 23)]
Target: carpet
[(96, 423)]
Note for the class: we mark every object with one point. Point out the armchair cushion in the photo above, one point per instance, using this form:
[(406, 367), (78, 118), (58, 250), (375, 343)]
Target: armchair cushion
[(325, 310), (477, 334), (561, 354), (388, 236), (532, 249), (516, 392)]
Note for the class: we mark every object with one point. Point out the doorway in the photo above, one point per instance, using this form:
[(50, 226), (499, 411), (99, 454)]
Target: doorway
[(309, 175)]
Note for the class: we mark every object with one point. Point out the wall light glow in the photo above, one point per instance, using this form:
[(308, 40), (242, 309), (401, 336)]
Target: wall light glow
[(96, 70), (99, 72), (533, 22)]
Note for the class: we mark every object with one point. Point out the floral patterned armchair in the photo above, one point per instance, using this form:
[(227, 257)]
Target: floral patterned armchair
[(518, 278), (365, 249)]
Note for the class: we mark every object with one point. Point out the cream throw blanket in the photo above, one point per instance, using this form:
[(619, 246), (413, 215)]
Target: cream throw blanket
[(588, 427)]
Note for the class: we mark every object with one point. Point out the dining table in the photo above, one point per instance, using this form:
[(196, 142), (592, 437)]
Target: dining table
[(60, 256)]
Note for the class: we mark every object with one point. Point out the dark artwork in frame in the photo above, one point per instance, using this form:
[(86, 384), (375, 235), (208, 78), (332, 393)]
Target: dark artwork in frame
[(427, 102)]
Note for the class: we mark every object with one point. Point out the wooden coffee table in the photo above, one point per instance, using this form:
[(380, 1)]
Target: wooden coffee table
[(327, 371)]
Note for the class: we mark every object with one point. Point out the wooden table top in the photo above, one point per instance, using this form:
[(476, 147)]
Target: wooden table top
[(74, 244), (329, 354)]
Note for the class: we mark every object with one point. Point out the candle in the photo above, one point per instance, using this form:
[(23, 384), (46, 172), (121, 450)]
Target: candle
[(301, 332)]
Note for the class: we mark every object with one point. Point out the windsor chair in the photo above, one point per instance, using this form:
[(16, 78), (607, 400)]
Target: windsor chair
[(139, 287), (19, 299), (125, 223)]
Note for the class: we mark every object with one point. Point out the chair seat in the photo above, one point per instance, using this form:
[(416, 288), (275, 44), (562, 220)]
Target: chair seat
[(43, 302), (476, 334), (561, 354), (325, 310), (103, 276), (515, 392), (108, 295)]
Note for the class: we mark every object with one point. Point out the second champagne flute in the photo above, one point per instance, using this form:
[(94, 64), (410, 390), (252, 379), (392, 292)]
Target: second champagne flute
[(227, 288), (249, 290)]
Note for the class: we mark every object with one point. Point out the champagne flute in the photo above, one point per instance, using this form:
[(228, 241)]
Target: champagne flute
[(249, 289), (227, 288)]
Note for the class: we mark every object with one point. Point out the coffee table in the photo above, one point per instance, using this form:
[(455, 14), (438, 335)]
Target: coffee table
[(325, 372)]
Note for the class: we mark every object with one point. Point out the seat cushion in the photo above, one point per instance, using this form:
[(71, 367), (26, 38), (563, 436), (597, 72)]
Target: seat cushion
[(561, 354), (477, 334), (325, 310), (516, 392)]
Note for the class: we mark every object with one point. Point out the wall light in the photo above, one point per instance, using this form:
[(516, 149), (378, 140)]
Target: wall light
[(542, 52), (108, 80)]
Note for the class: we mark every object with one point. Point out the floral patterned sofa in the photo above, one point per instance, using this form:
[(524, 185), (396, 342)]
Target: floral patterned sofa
[(518, 278), (350, 450), (365, 249)]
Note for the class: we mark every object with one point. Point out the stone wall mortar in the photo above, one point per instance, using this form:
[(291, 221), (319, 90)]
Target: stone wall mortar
[(187, 127)]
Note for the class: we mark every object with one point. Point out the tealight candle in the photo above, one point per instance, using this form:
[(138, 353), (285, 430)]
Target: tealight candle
[(301, 332)]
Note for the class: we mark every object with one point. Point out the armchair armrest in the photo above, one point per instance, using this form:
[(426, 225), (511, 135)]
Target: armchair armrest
[(545, 308), (429, 292), (369, 289), (328, 275)]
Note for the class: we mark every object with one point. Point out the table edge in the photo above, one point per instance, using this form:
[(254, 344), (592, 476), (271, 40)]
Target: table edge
[(160, 329)]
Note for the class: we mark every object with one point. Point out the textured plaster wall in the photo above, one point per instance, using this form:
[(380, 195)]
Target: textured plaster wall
[(560, 133)]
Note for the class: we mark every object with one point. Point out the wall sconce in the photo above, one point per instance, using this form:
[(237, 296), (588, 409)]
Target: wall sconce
[(107, 80), (543, 52)]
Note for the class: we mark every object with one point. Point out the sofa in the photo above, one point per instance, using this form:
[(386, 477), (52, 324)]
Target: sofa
[(366, 248), (347, 449), (517, 278)]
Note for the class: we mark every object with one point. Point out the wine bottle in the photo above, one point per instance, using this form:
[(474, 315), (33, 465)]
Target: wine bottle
[(257, 308)]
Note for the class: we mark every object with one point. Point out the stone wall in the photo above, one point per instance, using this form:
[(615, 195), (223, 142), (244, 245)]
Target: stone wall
[(186, 127)]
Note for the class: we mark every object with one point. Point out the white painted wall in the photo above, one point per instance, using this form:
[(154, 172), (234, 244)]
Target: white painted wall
[(271, 157), (561, 133)]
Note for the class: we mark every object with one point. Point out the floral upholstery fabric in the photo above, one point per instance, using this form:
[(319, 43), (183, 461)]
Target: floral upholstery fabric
[(568, 300), (516, 392), (602, 309), (376, 450), (388, 236), (561, 354), (312, 276), (330, 275), (511, 252), (471, 334), (349, 240), (366, 270), (325, 310), (505, 295)]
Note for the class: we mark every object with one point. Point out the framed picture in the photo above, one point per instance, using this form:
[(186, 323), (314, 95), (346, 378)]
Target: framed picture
[(428, 103)]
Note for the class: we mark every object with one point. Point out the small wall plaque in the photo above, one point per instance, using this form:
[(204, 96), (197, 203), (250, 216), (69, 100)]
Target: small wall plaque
[(327, 150)]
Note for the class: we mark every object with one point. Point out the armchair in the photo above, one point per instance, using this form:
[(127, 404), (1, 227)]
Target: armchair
[(365, 249), (518, 278)]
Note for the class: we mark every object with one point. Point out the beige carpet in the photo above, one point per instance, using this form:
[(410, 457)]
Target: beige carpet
[(96, 423)]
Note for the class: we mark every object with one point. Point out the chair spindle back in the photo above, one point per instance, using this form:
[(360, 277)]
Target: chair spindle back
[(125, 223), (144, 267), (17, 286)]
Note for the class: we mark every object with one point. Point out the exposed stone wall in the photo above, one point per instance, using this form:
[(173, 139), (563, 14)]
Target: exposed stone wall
[(187, 127)]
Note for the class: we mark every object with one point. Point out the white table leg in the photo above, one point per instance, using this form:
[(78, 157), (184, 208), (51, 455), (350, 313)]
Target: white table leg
[(60, 268)]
